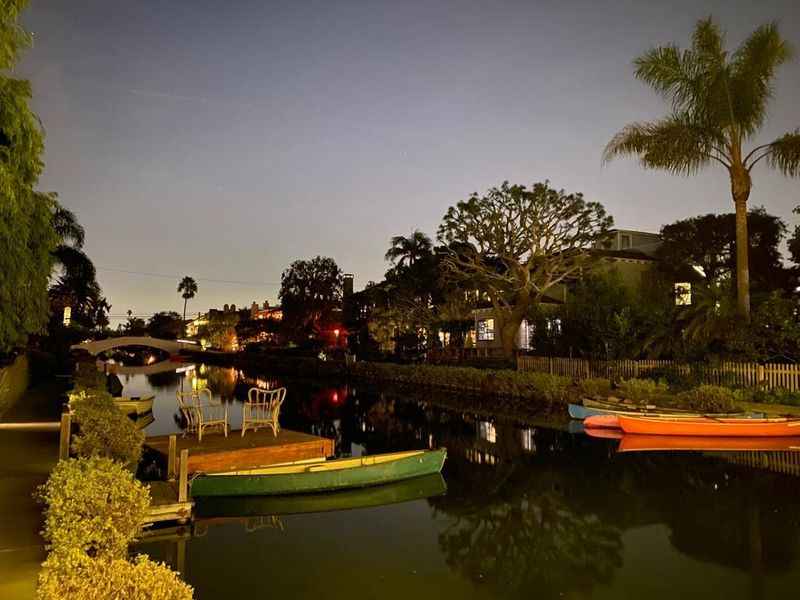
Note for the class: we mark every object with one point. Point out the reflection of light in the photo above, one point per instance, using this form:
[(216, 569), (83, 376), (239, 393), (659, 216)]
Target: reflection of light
[(185, 369), (335, 397), (487, 431), (186, 342), (151, 359)]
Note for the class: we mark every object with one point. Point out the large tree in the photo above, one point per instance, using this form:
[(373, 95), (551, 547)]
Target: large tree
[(719, 102), (516, 243), (709, 242), (311, 290), (27, 237), (405, 251)]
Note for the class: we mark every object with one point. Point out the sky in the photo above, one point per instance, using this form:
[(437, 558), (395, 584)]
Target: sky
[(224, 140)]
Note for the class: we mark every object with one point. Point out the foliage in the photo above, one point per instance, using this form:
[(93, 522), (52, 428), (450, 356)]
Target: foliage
[(134, 326), (104, 430), (311, 291), (718, 102), (81, 578), (540, 387), (601, 319), (187, 288), (166, 325), (93, 506), (27, 237), (220, 330), (595, 387), (709, 241), (774, 396), (642, 390), (710, 399), (516, 244), (406, 251)]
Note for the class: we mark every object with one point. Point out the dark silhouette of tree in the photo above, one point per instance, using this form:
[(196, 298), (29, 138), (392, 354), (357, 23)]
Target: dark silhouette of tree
[(719, 102), (311, 292), (187, 288), (405, 251)]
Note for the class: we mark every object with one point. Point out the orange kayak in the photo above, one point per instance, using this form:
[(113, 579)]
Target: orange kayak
[(601, 422), (640, 443), (709, 426), (604, 433)]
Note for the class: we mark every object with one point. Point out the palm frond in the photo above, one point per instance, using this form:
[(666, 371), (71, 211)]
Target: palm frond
[(708, 43), (784, 154), (752, 71), (66, 225), (674, 144), (669, 72)]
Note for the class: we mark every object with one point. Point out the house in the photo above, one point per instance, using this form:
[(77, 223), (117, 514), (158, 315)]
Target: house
[(632, 254)]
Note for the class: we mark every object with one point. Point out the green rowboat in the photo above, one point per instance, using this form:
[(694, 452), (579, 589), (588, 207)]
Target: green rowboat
[(322, 475), (407, 490)]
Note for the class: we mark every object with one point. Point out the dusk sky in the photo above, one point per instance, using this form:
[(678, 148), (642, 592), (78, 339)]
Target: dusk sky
[(223, 140)]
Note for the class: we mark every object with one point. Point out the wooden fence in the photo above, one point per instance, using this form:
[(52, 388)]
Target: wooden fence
[(767, 376)]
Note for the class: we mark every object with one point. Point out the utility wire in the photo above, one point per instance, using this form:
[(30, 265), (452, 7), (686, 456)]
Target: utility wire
[(178, 277)]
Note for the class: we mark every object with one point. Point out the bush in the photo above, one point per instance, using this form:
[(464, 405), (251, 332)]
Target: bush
[(93, 506), (104, 430), (642, 391), (595, 387), (710, 399), (774, 396), (77, 577)]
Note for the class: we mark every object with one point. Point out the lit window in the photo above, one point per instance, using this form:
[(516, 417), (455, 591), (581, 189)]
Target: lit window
[(487, 431), (486, 330), (683, 294), (528, 439)]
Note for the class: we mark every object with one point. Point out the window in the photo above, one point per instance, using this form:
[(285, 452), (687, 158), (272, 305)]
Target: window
[(625, 242), (486, 330), (683, 294), (486, 431)]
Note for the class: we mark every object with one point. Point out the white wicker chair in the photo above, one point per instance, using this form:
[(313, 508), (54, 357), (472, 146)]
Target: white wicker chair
[(201, 415), (262, 409)]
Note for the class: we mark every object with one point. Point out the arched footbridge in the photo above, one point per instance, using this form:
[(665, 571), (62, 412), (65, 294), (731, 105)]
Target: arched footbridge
[(96, 347)]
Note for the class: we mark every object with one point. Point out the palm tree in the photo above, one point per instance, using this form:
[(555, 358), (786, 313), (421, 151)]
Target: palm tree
[(188, 288), (407, 250), (719, 101)]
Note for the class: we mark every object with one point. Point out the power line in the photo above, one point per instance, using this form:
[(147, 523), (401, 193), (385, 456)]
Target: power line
[(178, 277)]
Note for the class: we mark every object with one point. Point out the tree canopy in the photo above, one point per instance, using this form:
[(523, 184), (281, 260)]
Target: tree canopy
[(709, 241), (311, 290), (718, 103), (27, 236), (517, 243)]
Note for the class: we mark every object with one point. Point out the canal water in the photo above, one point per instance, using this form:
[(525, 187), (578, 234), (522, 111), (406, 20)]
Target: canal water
[(535, 510)]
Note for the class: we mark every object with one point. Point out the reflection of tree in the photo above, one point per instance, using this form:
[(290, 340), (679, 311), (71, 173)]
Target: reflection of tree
[(165, 379), (526, 538)]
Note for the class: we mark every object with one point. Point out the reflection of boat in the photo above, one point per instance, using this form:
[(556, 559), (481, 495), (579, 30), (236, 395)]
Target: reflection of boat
[(391, 493), (599, 432), (321, 475), (711, 426), (137, 405), (634, 443)]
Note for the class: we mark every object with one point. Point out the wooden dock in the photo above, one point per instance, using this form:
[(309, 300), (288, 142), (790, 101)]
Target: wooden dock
[(217, 453)]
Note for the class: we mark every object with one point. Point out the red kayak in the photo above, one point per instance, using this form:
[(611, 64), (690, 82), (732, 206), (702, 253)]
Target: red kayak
[(601, 422), (710, 426), (642, 443)]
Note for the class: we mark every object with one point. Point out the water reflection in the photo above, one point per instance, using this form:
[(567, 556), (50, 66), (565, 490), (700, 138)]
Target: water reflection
[(531, 509)]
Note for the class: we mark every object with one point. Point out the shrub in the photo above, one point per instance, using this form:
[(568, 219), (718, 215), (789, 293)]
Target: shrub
[(77, 577), (710, 399), (103, 429), (94, 506), (774, 396), (642, 390), (595, 387)]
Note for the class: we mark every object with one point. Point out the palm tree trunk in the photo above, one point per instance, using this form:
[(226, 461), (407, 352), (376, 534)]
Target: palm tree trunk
[(740, 187), (185, 300)]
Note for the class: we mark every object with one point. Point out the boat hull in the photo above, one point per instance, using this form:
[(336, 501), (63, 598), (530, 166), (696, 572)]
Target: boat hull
[(319, 477), (137, 406), (711, 427), (602, 422)]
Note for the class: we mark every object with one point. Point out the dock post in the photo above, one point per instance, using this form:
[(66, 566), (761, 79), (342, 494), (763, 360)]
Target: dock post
[(171, 458), (184, 476), (63, 441)]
